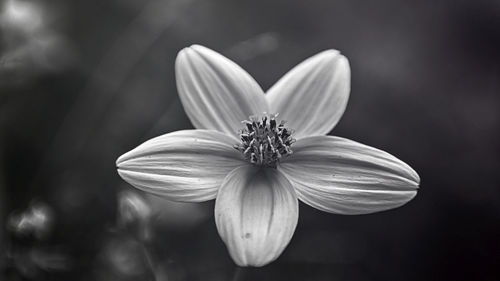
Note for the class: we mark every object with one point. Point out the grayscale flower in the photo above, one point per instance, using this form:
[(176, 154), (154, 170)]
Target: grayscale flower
[(253, 164)]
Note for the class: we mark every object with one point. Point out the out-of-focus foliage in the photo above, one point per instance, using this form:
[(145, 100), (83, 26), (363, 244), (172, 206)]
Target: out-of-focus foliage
[(37, 220), (30, 40), (134, 213), (28, 254)]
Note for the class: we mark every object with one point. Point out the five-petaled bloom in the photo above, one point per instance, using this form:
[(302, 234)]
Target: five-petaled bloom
[(257, 166)]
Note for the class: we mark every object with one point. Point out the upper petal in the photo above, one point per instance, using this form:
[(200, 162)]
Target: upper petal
[(187, 165), (313, 95), (342, 176), (256, 212), (216, 93)]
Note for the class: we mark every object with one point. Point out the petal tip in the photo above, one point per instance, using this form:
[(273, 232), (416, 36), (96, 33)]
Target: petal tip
[(124, 175), (120, 160), (329, 53), (179, 60), (198, 47), (416, 178), (200, 50), (187, 52), (411, 174), (125, 157), (333, 58)]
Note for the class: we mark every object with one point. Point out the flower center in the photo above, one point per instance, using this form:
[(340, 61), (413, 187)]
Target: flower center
[(263, 141)]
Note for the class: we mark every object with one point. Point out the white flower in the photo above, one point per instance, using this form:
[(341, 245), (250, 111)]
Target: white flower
[(257, 169)]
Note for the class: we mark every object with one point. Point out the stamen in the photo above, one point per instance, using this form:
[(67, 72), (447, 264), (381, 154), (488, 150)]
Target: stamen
[(263, 142)]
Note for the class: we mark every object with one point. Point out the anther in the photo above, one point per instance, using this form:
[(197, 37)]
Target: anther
[(263, 142)]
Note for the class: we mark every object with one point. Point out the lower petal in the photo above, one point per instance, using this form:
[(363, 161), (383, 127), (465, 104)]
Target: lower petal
[(256, 212), (341, 176)]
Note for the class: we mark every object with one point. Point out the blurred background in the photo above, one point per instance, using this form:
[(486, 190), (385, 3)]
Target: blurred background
[(82, 82)]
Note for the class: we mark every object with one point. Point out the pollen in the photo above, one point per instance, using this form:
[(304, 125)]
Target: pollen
[(263, 141)]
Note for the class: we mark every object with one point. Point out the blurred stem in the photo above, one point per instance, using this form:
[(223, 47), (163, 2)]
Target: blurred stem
[(3, 201), (149, 260), (238, 274)]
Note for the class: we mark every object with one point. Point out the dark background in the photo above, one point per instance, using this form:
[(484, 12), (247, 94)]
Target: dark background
[(82, 82)]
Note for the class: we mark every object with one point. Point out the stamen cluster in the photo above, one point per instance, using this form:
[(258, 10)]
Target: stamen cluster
[(264, 142)]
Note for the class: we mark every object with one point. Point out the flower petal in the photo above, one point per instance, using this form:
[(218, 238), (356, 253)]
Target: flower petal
[(256, 212), (313, 95), (185, 165), (338, 175), (216, 93)]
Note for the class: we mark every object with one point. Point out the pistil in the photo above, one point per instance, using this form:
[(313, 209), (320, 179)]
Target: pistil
[(264, 142)]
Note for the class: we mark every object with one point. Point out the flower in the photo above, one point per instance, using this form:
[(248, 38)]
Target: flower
[(258, 168)]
